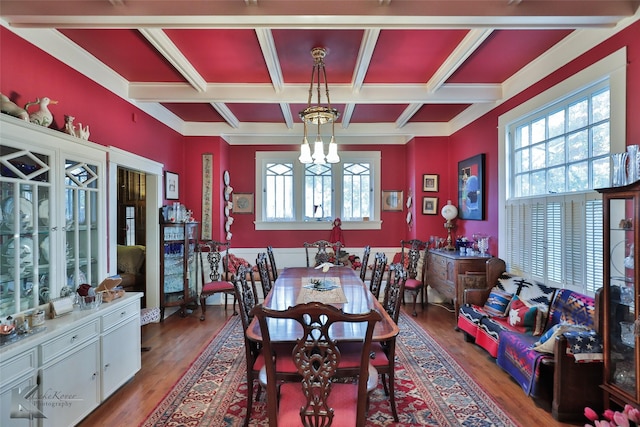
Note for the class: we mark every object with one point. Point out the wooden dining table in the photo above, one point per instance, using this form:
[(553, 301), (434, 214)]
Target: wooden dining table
[(292, 288)]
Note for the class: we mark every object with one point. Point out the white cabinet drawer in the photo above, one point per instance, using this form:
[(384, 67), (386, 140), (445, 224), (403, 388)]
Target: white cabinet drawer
[(122, 313), (69, 340), (18, 366)]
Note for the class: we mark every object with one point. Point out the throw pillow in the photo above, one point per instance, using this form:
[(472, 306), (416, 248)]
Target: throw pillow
[(547, 341), (522, 315), (497, 303)]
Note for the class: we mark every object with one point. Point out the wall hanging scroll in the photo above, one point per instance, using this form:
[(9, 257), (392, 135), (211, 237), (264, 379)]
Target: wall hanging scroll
[(207, 202)]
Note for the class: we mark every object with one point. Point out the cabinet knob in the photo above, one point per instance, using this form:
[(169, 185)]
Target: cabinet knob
[(123, 314), (94, 376), (73, 338), (107, 366)]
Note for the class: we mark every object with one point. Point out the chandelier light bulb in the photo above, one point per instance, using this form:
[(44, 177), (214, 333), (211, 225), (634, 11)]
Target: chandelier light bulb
[(318, 152), (305, 152), (332, 155)]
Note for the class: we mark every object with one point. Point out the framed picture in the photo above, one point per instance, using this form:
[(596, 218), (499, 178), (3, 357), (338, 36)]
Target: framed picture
[(430, 183), (242, 203), (471, 188), (429, 205), (392, 200), (171, 187)]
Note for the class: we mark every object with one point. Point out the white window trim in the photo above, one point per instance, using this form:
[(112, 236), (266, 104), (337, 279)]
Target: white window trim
[(612, 66), (263, 157)]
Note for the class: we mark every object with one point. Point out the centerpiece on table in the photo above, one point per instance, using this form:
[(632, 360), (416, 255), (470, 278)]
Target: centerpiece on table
[(323, 284)]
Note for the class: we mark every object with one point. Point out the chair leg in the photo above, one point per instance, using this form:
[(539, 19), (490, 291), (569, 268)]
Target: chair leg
[(249, 397), (415, 299), (203, 306), (392, 395), (235, 312)]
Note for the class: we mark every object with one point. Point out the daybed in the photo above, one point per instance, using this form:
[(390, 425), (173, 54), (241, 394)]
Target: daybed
[(545, 338)]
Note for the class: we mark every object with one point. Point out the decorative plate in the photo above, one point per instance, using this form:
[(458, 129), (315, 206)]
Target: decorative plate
[(227, 227), (408, 217), (409, 201), (226, 178), (226, 211), (26, 208), (227, 196), (43, 212)]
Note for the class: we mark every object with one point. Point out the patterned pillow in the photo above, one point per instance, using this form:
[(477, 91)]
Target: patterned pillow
[(547, 341), (526, 316), (497, 303)]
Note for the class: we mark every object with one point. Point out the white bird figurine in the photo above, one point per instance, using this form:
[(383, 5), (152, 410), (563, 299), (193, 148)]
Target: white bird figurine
[(83, 132), (9, 107), (43, 116)]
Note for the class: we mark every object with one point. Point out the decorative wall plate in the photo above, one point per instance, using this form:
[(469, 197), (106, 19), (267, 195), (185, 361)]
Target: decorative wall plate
[(408, 217), (226, 178)]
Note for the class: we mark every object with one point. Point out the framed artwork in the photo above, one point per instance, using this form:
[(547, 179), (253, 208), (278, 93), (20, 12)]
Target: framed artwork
[(242, 203), (429, 205), (430, 183), (207, 196), (171, 187), (392, 200), (471, 188)]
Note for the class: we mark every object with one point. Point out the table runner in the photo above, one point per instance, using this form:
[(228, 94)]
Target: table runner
[(334, 295)]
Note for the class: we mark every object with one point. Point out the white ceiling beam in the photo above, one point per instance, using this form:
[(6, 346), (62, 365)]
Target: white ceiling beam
[(346, 115), (171, 53), (407, 114), (465, 48), (286, 114), (367, 46), (226, 114), (268, 46), (293, 93)]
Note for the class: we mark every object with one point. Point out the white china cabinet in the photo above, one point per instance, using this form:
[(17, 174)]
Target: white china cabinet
[(52, 215)]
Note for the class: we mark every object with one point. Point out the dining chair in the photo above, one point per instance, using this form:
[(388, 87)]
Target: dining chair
[(272, 261), (321, 255), (364, 261), (245, 293), (263, 271), (217, 254), (385, 352), (377, 274), (415, 285), (316, 400)]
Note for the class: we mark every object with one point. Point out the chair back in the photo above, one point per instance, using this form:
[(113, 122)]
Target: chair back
[(245, 294), (321, 255), (379, 266), (217, 254), (263, 271), (316, 356), (365, 261), (413, 248), (272, 261), (394, 291)]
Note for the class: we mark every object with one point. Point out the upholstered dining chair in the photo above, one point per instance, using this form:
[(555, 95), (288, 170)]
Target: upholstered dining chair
[(217, 254), (272, 261), (416, 262), (316, 400), (321, 255), (377, 274), (263, 271), (364, 261)]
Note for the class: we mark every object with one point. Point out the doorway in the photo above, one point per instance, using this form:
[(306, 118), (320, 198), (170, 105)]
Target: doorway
[(131, 230)]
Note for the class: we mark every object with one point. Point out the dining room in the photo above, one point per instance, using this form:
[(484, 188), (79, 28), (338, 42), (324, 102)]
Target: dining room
[(201, 377)]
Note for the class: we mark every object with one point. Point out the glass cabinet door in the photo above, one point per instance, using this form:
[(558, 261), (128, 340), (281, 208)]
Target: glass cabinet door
[(81, 241), (173, 263), (25, 244), (622, 295), (192, 285)]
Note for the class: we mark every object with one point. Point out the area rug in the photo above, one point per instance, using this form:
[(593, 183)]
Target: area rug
[(431, 388)]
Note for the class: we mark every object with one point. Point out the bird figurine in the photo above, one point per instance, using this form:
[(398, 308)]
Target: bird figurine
[(83, 132), (43, 116), (9, 107)]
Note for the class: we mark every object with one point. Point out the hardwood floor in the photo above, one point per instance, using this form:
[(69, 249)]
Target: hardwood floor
[(177, 341)]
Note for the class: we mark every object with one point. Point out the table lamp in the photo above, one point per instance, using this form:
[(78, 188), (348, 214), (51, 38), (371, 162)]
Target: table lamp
[(449, 212)]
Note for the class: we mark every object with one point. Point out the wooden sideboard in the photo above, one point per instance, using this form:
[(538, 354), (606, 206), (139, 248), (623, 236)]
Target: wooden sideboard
[(444, 269)]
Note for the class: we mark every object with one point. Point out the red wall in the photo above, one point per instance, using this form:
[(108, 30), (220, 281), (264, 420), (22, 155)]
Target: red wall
[(28, 72), (484, 131)]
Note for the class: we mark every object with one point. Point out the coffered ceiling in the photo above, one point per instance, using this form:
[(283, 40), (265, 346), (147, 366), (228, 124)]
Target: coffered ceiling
[(396, 69)]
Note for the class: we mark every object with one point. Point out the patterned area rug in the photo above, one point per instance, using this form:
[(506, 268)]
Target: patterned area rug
[(431, 388)]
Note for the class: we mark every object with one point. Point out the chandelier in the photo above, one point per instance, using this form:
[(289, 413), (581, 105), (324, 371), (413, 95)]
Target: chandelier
[(317, 115)]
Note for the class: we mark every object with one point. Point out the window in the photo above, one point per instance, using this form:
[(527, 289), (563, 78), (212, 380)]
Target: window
[(556, 152), (292, 195)]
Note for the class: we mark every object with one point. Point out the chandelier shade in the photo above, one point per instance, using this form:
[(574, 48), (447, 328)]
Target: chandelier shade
[(318, 115)]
